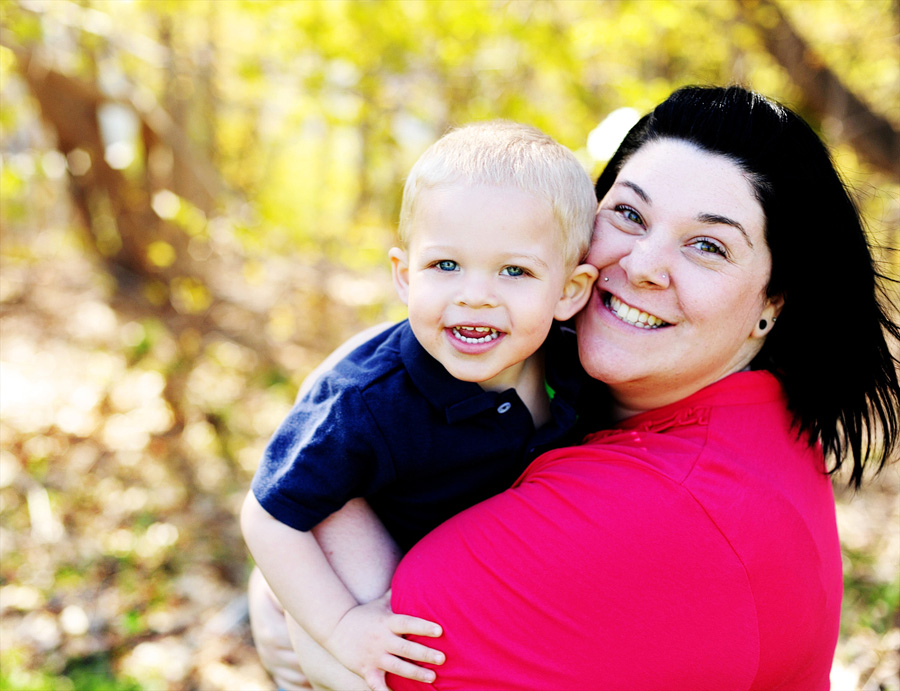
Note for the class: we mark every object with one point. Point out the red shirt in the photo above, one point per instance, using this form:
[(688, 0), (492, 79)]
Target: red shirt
[(693, 547)]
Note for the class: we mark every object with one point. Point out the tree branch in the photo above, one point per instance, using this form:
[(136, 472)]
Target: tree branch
[(869, 133)]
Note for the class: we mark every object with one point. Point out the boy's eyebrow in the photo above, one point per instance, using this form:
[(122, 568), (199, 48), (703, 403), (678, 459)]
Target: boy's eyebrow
[(710, 219), (537, 259), (510, 257)]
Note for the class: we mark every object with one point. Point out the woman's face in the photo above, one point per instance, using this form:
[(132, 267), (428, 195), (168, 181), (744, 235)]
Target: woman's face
[(679, 242)]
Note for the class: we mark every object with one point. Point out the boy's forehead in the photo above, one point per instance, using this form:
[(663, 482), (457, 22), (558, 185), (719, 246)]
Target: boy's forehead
[(481, 196), (502, 220), (462, 199)]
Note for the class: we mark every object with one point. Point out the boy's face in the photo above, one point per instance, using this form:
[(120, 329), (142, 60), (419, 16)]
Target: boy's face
[(484, 277)]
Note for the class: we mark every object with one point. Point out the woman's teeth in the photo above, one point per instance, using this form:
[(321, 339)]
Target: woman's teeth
[(489, 334), (633, 315)]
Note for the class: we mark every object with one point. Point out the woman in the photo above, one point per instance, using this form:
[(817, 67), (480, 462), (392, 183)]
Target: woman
[(737, 325)]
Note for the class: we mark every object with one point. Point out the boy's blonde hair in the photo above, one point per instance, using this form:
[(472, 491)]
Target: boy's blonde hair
[(509, 154)]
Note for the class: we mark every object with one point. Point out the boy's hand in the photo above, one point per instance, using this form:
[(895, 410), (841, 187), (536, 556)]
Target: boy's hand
[(368, 640)]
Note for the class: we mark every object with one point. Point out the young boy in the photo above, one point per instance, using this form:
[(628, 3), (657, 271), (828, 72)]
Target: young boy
[(439, 411)]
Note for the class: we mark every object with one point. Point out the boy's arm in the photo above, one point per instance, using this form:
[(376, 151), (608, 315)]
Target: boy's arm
[(367, 639)]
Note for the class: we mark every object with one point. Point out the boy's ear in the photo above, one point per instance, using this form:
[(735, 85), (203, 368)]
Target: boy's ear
[(400, 272), (576, 292)]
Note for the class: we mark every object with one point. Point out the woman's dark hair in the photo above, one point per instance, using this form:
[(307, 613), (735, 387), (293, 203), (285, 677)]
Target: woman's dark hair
[(829, 347)]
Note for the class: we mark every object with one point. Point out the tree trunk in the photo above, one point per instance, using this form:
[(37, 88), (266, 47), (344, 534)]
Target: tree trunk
[(872, 136)]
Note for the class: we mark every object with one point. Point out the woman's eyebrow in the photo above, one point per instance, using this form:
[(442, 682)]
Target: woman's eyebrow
[(637, 190), (716, 219)]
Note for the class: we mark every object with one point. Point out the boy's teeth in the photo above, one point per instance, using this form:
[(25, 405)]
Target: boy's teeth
[(633, 315), (489, 333)]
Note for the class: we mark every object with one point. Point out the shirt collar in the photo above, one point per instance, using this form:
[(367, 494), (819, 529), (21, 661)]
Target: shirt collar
[(458, 399), (740, 388)]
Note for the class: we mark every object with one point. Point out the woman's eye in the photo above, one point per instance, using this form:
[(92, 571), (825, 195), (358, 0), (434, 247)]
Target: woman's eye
[(629, 214), (447, 265), (709, 246), (513, 271)]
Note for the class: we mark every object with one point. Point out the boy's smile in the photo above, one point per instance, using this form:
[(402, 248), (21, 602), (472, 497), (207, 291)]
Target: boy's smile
[(475, 334), (484, 277)]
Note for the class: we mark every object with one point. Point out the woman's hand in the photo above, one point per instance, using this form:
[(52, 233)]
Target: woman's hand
[(368, 640)]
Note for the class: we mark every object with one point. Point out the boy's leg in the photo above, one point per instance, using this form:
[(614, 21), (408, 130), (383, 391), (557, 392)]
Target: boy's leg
[(271, 636), (322, 671), (364, 556), (287, 651)]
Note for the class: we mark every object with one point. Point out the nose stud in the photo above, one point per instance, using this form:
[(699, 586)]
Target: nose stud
[(606, 278)]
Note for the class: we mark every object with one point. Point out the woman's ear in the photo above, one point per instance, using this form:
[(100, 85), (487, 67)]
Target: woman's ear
[(576, 291), (768, 316), (400, 272)]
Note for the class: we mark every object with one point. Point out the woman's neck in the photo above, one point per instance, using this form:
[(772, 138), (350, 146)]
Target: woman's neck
[(620, 412), (632, 399)]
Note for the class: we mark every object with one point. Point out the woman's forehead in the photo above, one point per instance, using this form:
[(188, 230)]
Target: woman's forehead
[(678, 177)]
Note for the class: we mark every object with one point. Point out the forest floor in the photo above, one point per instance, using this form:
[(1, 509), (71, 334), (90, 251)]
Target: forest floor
[(121, 561)]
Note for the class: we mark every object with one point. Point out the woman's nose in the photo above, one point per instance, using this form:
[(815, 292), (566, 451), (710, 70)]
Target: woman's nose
[(647, 264)]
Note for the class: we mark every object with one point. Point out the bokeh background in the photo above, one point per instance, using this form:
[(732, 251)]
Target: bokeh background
[(196, 201)]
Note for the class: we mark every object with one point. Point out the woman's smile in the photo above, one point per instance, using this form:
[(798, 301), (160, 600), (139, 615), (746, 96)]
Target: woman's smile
[(633, 315), (684, 266)]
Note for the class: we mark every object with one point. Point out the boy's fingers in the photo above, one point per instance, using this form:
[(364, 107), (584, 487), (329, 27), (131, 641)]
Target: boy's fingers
[(403, 624), (417, 652), (402, 668), (375, 681)]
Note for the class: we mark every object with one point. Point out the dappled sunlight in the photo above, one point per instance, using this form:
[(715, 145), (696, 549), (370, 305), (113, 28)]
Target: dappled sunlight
[(41, 387), (196, 204), (869, 525)]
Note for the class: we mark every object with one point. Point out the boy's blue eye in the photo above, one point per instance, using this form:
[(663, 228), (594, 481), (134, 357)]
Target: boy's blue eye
[(447, 265), (513, 271)]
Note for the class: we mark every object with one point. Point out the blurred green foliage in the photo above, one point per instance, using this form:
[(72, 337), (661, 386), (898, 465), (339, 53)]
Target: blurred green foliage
[(260, 149), (313, 111)]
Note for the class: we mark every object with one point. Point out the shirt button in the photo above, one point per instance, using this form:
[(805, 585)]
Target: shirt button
[(503, 407)]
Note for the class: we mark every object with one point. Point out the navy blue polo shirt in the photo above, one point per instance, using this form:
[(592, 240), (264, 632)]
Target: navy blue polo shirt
[(390, 424)]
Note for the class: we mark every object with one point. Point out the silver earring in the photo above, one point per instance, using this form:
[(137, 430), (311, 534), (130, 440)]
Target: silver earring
[(606, 278)]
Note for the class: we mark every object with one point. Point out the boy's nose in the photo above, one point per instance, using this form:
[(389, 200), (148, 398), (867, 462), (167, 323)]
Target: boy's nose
[(476, 291)]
